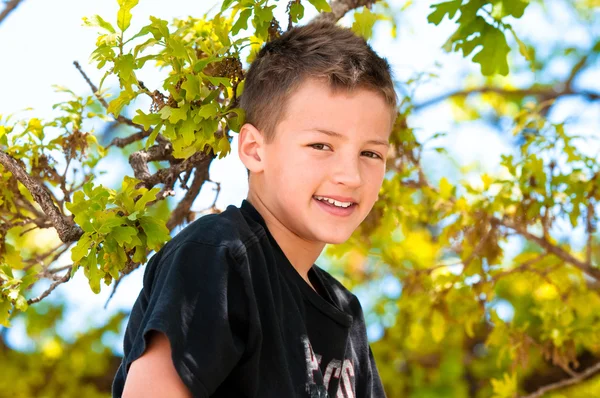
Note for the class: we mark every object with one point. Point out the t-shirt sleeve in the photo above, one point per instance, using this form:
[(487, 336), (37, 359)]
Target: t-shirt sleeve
[(196, 297)]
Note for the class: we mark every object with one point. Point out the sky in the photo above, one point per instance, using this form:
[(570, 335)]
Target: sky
[(40, 40)]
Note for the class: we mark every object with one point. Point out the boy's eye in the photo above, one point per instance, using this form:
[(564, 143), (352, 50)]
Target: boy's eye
[(319, 147), (369, 154), (372, 155)]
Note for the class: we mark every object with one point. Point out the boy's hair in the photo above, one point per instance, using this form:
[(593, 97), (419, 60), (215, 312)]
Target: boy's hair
[(319, 50)]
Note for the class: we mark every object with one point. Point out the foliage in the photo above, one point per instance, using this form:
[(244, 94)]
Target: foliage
[(55, 366), (449, 245)]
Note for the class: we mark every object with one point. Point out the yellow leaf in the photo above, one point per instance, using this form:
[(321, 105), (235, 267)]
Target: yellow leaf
[(438, 326), (446, 188)]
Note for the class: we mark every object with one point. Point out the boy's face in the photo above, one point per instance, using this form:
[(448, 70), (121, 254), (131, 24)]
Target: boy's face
[(327, 146)]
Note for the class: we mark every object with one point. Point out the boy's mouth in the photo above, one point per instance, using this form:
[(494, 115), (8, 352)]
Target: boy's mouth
[(339, 202), (336, 207)]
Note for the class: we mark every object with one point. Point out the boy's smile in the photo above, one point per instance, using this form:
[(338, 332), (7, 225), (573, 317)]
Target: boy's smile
[(321, 174)]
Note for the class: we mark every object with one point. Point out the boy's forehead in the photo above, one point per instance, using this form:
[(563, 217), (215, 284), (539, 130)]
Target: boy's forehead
[(315, 106)]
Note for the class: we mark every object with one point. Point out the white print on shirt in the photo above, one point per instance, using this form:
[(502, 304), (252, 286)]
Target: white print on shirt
[(347, 373), (312, 363), (335, 368)]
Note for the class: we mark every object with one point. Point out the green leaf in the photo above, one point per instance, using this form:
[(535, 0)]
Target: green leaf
[(191, 85), (442, 9), (92, 272), (226, 4), (235, 122), (178, 114), (109, 220), (97, 20), (187, 130), (516, 8), (81, 249), (124, 14), (5, 307), (493, 56), (242, 21), (364, 22), (165, 112), (153, 135), (321, 5), (147, 120), (124, 67), (148, 196), (21, 303), (263, 14), (216, 81), (141, 47), (505, 388), (159, 28), (123, 234), (177, 48), (208, 111), (296, 12), (125, 97), (182, 151), (224, 147), (156, 232)]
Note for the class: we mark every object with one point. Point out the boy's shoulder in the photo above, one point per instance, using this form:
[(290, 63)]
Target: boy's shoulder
[(230, 228), (345, 297)]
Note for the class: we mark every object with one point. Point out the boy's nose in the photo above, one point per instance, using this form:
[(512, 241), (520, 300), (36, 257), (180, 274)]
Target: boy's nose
[(347, 172)]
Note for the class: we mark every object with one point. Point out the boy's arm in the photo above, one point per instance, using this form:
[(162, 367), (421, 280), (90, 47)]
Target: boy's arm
[(153, 374), (196, 298)]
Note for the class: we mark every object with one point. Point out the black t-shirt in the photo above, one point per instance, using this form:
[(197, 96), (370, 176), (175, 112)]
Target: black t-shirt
[(243, 323)]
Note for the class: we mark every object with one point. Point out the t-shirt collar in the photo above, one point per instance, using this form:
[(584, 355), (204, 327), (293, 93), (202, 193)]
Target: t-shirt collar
[(253, 213)]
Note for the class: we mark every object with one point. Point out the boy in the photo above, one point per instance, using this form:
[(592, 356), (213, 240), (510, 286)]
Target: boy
[(233, 306)]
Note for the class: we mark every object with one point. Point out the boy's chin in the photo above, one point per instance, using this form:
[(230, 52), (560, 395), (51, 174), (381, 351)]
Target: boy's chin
[(335, 239)]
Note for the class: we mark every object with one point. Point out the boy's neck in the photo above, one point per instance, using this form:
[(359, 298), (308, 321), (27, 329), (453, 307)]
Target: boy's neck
[(300, 252)]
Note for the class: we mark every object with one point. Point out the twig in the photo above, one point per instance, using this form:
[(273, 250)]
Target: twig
[(10, 7), (163, 175), (575, 71), (578, 377), (183, 207), (123, 142), (119, 142), (92, 85), (339, 8), (550, 248), (543, 94), (53, 286)]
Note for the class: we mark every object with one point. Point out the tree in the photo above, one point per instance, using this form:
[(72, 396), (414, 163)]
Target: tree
[(444, 243)]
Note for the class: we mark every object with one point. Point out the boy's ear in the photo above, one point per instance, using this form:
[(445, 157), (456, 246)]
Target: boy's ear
[(250, 148)]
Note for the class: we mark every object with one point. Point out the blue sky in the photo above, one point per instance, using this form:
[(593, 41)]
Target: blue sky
[(40, 40)]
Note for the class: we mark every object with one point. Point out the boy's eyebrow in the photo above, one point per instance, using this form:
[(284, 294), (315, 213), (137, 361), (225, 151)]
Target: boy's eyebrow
[(338, 135)]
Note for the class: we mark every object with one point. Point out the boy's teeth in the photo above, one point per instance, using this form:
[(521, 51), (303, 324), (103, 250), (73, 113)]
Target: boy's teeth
[(334, 202)]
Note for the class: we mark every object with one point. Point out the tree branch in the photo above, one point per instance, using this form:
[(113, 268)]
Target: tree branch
[(578, 67), (550, 248), (164, 175), (183, 207), (53, 286), (10, 7), (339, 8), (542, 94), (67, 230), (139, 159), (578, 377), (118, 142)]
